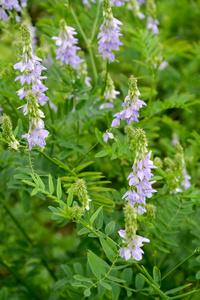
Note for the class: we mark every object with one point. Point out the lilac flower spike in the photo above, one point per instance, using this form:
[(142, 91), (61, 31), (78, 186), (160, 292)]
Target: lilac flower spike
[(110, 33), (131, 105), (30, 66), (37, 133), (153, 25), (67, 52)]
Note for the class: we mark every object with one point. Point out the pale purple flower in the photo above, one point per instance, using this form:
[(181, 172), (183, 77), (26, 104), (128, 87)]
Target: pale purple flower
[(67, 51), (163, 65), (152, 25), (132, 247), (140, 180), (186, 179), (53, 106), (109, 38), (36, 137), (31, 68), (118, 2), (1, 109), (130, 113), (87, 2), (10, 5), (107, 135)]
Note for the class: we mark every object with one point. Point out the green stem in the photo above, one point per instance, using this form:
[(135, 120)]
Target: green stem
[(106, 77), (186, 294), (85, 154), (95, 22), (89, 228), (159, 292), (88, 44), (180, 263)]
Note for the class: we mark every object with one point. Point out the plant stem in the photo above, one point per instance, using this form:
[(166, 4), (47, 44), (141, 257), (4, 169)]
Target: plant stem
[(95, 22), (85, 154), (180, 263), (87, 42)]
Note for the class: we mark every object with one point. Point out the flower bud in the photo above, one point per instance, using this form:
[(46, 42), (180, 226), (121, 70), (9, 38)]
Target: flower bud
[(8, 133), (81, 189)]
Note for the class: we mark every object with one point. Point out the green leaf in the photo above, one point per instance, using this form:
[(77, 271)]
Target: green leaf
[(198, 275), (26, 202), (97, 268), (115, 291), (109, 252), (60, 283), (35, 191), (87, 292), (29, 182), (105, 285), (99, 220), (40, 182), (70, 196), (95, 215), (110, 227), (59, 189), (67, 270), (178, 289), (156, 276), (51, 186), (102, 153), (139, 282), (127, 275), (78, 268), (79, 168), (112, 278), (99, 136)]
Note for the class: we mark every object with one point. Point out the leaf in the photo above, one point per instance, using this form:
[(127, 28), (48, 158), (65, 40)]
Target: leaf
[(67, 270), (51, 186), (156, 276), (26, 202), (99, 136), (115, 279), (40, 182), (60, 283), (110, 227), (139, 282), (99, 220), (95, 215), (127, 275), (78, 268), (102, 153), (70, 196), (115, 291), (97, 268), (109, 252), (198, 275), (105, 285), (87, 292), (29, 182), (79, 168), (178, 289), (59, 189)]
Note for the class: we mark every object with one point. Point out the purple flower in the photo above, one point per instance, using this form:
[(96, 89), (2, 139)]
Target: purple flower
[(130, 113), (152, 25), (132, 247), (163, 65), (140, 179), (107, 135), (36, 137), (109, 34), (186, 182), (118, 2), (67, 52), (87, 2), (9, 5), (1, 109)]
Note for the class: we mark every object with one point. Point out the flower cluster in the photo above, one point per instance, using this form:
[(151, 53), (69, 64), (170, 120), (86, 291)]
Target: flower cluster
[(140, 188), (31, 68), (37, 133), (152, 22), (67, 51), (6, 5), (81, 189), (131, 105), (1, 109), (135, 7), (132, 242), (109, 34)]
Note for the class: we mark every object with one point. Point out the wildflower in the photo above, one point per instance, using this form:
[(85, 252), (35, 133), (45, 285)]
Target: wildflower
[(6, 5), (37, 133), (1, 109), (31, 68), (163, 65), (81, 189), (67, 52), (186, 179), (131, 105), (109, 34), (135, 7), (87, 2), (132, 242), (110, 93), (107, 135), (152, 22)]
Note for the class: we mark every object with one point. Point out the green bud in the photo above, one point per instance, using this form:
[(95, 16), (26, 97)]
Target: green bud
[(141, 143), (6, 125), (151, 211), (8, 72), (107, 11), (41, 53), (130, 221), (133, 89), (158, 162), (26, 36), (168, 163), (81, 189), (151, 8)]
